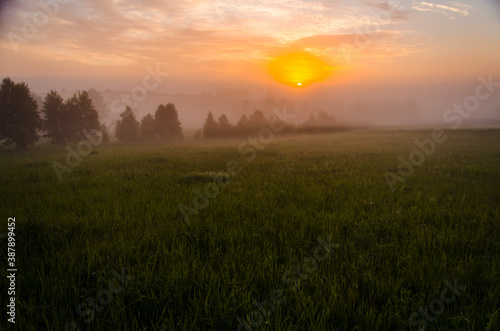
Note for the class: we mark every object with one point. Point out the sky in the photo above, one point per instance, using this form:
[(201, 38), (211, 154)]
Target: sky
[(234, 41), (204, 45)]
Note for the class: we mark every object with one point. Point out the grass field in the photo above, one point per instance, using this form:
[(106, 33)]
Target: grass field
[(109, 249)]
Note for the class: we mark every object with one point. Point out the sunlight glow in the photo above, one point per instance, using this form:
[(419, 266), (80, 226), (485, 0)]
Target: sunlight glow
[(299, 69)]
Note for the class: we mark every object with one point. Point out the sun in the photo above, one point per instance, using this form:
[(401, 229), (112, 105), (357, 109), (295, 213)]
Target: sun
[(299, 69)]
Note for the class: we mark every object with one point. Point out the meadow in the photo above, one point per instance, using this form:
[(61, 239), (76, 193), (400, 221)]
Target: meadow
[(108, 247)]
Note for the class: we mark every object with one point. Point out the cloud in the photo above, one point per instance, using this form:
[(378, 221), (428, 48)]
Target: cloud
[(451, 10), (124, 31), (213, 35), (396, 12), (377, 47)]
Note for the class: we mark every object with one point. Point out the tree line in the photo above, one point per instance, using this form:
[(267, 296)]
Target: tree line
[(163, 126), (68, 121), (221, 128)]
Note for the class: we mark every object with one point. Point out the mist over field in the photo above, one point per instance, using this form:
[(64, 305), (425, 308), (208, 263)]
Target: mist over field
[(250, 165), (419, 105)]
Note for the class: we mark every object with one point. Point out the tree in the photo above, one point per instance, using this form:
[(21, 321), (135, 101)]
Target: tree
[(54, 120), (168, 126), (242, 125), (224, 127), (148, 128), (83, 118), (72, 120), (19, 116), (257, 120), (324, 119), (210, 126), (127, 129)]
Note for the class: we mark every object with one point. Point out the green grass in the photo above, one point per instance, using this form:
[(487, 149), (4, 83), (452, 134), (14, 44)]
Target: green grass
[(120, 208)]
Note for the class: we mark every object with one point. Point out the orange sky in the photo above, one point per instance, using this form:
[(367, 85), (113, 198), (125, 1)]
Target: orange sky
[(235, 41)]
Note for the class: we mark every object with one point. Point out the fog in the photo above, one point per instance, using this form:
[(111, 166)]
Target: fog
[(418, 105)]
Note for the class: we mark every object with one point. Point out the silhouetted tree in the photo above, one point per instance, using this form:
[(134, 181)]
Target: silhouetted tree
[(148, 128), (83, 118), (19, 118), (224, 128), (242, 125), (127, 129), (322, 123), (168, 126), (257, 120), (54, 118), (210, 126), (324, 119)]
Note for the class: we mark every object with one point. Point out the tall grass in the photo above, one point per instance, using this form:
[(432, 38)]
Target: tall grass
[(119, 208)]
